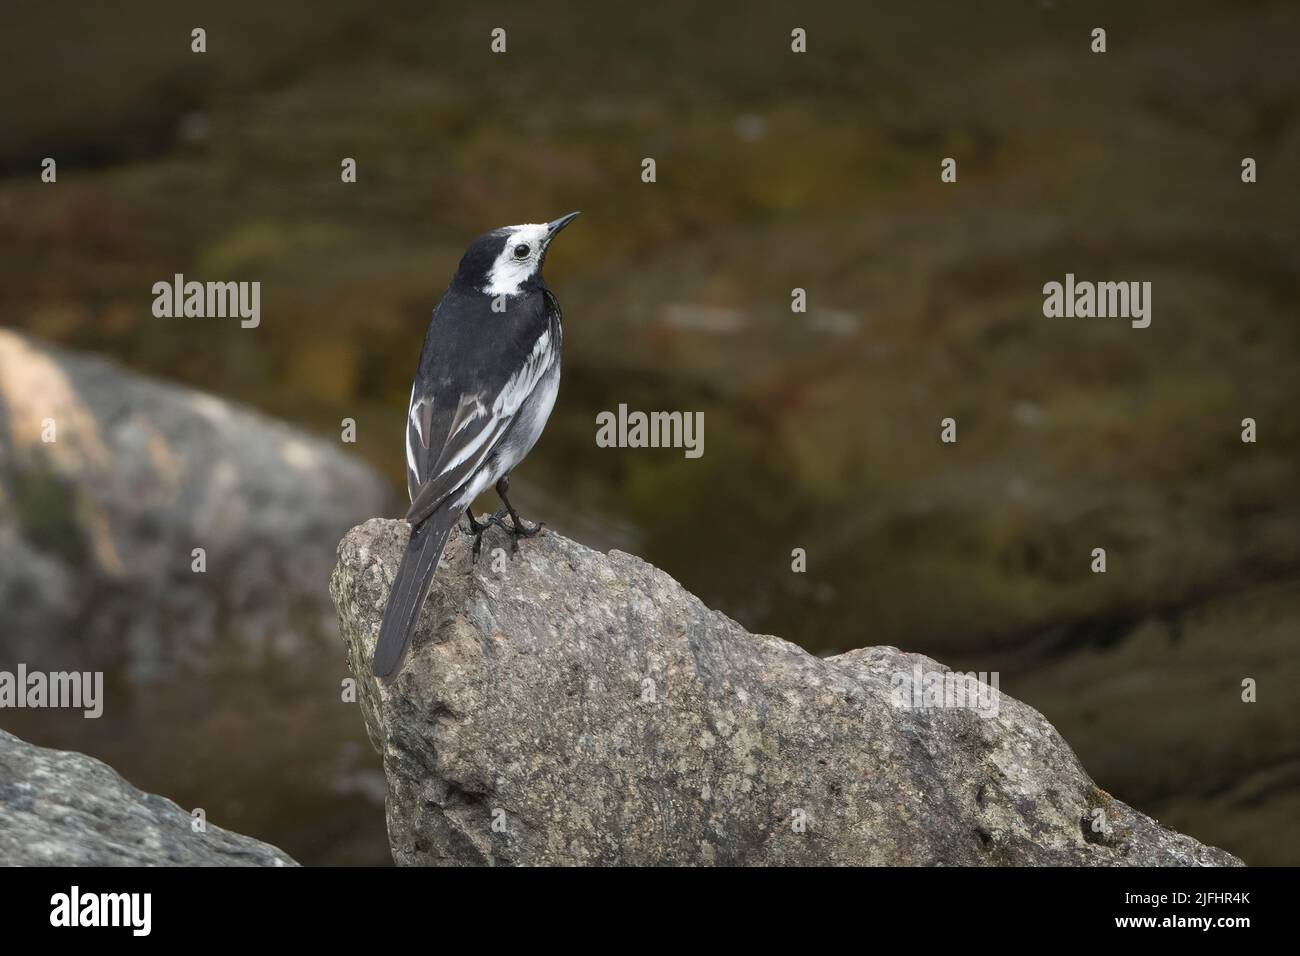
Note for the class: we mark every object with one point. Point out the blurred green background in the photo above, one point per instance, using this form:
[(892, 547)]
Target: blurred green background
[(775, 171)]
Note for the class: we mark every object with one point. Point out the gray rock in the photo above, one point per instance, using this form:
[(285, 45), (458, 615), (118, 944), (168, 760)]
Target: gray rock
[(570, 707), (221, 689), (64, 809), (98, 526)]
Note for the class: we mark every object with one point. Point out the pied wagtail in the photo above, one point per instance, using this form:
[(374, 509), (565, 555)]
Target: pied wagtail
[(488, 374)]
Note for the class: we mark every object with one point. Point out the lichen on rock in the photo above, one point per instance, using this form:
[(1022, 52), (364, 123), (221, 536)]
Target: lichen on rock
[(570, 707)]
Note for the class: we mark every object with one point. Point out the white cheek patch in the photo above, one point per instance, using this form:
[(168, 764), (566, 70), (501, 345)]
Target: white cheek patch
[(508, 274)]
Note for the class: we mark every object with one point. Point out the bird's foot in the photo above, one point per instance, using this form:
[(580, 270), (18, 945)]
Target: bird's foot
[(521, 529), (517, 528), (477, 528)]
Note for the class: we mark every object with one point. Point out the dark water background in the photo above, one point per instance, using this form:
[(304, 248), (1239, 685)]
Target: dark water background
[(775, 171)]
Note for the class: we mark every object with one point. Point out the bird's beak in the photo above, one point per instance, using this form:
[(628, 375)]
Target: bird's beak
[(556, 225)]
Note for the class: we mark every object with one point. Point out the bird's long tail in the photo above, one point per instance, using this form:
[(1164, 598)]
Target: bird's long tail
[(410, 588)]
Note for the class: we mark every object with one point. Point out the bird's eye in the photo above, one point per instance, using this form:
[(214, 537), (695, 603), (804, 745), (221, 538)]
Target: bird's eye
[(521, 250)]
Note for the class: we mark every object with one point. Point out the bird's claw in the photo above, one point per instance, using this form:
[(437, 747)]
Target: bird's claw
[(517, 528), (522, 530), (477, 530)]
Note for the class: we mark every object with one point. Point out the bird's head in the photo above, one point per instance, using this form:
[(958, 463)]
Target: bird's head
[(509, 260)]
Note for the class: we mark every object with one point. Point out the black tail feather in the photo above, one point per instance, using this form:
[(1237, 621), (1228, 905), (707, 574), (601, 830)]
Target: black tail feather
[(410, 588)]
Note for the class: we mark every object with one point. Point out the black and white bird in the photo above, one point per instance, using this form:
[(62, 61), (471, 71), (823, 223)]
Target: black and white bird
[(487, 379)]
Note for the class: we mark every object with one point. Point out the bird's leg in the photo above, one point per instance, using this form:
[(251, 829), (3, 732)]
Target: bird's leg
[(477, 530), (521, 527), (474, 526)]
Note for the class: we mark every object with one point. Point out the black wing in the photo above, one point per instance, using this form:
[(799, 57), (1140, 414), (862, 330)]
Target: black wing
[(466, 395)]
